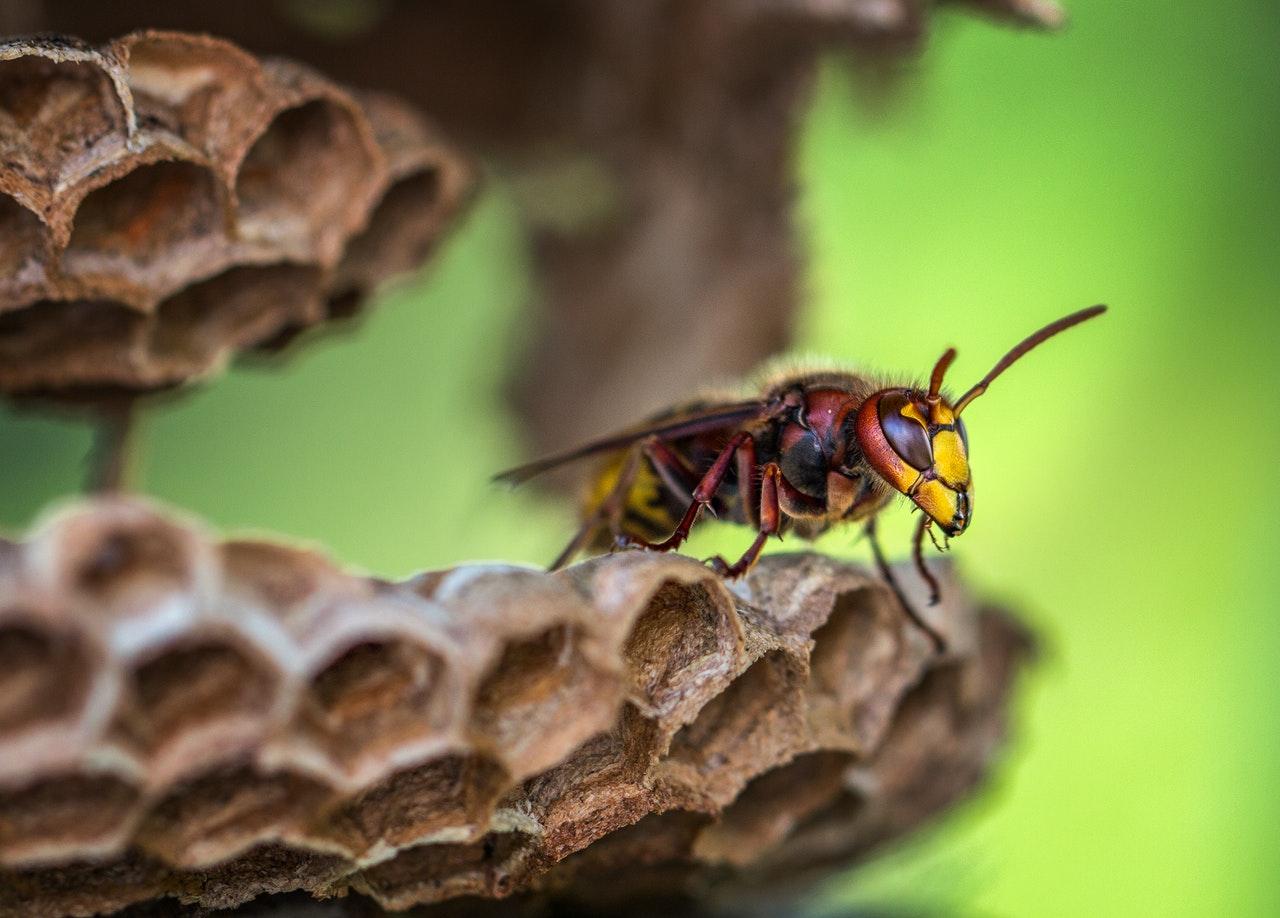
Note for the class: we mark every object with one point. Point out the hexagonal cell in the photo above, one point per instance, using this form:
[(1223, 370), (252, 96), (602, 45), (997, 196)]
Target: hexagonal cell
[(449, 797), (44, 676), (64, 818), (199, 699), (22, 243), (541, 699), (266, 869), (601, 786), (430, 873), (645, 864), (281, 202), (150, 230), (53, 116), (203, 89), (372, 698), (226, 811), (756, 722), (853, 663), (399, 235), (54, 346), (669, 651), (771, 806), (281, 577), (120, 557), (239, 308)]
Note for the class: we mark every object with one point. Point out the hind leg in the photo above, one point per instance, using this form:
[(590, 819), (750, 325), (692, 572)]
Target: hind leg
[(609, 511)]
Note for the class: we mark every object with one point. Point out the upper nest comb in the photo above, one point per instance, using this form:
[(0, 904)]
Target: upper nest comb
[(214, 721), (168, 200)]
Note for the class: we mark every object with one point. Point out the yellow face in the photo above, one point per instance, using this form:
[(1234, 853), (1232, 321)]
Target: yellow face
[(919, 446)]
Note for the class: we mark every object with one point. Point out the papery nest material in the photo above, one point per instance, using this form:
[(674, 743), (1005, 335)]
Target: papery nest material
[(167, 201), (216, 720)]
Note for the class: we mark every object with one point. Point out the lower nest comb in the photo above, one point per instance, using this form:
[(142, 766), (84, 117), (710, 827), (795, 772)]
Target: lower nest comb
[(215, 721)]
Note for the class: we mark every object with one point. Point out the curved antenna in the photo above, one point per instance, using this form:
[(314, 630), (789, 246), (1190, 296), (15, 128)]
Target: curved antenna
[(939, 371), (1027, 344)]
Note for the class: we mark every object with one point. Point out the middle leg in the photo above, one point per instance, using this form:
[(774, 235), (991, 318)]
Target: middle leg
[(939, 644)]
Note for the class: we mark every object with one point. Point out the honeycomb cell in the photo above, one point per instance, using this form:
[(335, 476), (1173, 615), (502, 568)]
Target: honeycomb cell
[(541, 699), (281, 202), (44, 676), (668, 642), (69, 346), (771, 807), (753, 721), (127, 558), (148, 232), (198, 87), (194, 702), (857, 648), (264, 869), (197, 330), (285, 578), (399, 236), (22, 249), (228, 810), (372, 698), (56, 118), (446, 799), (64, 818), (431, 873)]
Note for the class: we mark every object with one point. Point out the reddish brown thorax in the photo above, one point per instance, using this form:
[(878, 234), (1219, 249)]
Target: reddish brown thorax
[(813, 452)]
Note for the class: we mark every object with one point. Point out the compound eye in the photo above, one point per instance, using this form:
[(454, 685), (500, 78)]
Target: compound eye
[(964, 435), (908, 437)]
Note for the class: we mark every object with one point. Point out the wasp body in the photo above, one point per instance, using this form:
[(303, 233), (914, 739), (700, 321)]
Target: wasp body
[(811, 451)]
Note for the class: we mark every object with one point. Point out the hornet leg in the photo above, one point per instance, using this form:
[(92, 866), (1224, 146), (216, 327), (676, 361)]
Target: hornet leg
[(882, 565), (770, 521), (917, 555), (609, 510), (702, 497)]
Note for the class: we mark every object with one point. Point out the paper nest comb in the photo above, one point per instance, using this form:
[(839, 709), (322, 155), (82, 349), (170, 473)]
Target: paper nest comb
[(214, 721), (167, 201)]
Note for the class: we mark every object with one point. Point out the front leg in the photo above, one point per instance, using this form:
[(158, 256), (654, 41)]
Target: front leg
[(917, 555), (703, 494)]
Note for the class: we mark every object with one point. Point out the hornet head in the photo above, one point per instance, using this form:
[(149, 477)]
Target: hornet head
[(916, 442)]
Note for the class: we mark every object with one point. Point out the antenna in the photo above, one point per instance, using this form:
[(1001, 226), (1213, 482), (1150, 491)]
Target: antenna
[(1014, 355), (940, 370)]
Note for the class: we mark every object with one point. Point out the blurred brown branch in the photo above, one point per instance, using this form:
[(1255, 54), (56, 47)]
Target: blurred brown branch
[(667, 124)]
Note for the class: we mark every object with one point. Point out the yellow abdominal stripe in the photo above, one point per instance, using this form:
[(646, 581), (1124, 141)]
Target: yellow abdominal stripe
[(642, 498)]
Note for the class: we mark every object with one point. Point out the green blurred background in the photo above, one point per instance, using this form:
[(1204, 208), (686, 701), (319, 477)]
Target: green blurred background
[(1131, 159)]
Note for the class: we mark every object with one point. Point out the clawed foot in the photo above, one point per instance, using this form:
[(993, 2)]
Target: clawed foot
[(724, 568), (626, 543)]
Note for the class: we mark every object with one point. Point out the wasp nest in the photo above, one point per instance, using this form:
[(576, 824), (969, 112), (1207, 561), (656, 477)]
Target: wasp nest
[(209, 721), (167, 201)]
